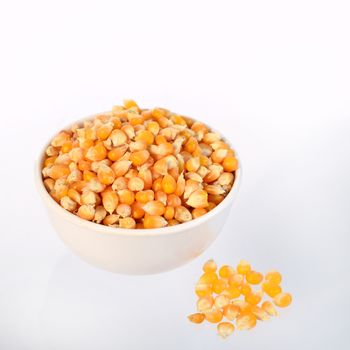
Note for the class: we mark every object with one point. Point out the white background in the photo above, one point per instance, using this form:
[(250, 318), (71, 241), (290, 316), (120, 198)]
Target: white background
[(273, 75)]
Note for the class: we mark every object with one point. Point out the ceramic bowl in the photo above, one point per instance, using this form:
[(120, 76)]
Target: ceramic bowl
[(136, 251)]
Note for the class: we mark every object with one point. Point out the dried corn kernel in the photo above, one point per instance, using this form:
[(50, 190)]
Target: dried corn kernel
[(154, 221), (205, 303), (243, 267), (260, 313), (221, 301), (273, 277), (154, 208), (231, 311), (127, 222), (209, 266), (246, 321), (225, 329), (196, 318), (203, 289), (254, 277), (219, 286), (253, 298), (282, 299), (124, 153), (214, 315), (269, 308), (226, 271), (271, 289)]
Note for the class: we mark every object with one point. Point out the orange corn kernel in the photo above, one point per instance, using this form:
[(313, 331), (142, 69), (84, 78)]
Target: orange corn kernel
[(168, 184), (225, 329), (153, 221), (246, 321), (196, 318), (243, 267), (58, 171), (273, 277), (254, 277), (214, 315), (154, 208), (139, 157), (169, 213), (271, 289), (126, 196), (282, 299), (231, 311), (198, 212), (144, 196)]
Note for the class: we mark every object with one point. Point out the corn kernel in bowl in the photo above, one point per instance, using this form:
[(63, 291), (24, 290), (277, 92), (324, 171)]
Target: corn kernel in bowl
[(139, 168)]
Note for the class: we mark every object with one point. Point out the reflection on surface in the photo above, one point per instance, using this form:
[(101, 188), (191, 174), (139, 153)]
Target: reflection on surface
[(87, 308)]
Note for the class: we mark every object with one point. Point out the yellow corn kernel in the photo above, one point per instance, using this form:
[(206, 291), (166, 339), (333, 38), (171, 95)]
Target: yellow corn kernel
[(66, 147), (273, 277), (210, 206), (124, 210), (246, 289), (146, 176), (254, 277), (180, 185), (88, 197), (97, 152), (231, 311), (246, 321), (190, 187), (271, 289), (225, 179), (198, 212), (161, 196), (104, 131), (221, 301), (121, 183), (182, 214), (109, 201), (253, 298), (86, 212), (282, 299), (205, 303), (145, 136), (130, 103), (232, 292), (208, 277), (88, 175), (49, 184), (84, 165), (136, 184), (136, 210), (209, 266), (74, 195), (230, 164), (243, 267), (51, 151), (116, 153), (105, 174), (118, 137), (219, 286), (127, 223), (153, 127), (100, 214), (139, 157), (173, 222), (177, 119), (169, 213), (269, 308), (198, 199), (95, 185), (154, 208), (153, 221), (160, 139), (196, 317), (192, 164), (260, 313), (219, 155), (214, 315), (226, 271), (225, 329), (168, 184), (60, 139), (126, 196), (111, 220), (203, 289), (191, 145), (68, 204), (173, 200), (144, 196), (121, 167), (58, 171), (129, 130)]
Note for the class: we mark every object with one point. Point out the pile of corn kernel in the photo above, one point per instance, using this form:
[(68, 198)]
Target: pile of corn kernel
[(230, 294), (139, 168)]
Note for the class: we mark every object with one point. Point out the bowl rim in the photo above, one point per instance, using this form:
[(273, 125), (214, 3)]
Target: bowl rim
[(162, 231)]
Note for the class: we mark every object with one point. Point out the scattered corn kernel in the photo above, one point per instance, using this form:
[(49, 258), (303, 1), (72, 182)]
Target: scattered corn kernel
[(282, 299), (225, 329), (254, 277), (196, 318)]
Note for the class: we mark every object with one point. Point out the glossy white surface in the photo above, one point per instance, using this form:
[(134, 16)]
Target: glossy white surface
[(273, 75)]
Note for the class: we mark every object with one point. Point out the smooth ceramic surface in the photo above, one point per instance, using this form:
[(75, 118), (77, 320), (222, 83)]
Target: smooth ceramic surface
[(136, 251)]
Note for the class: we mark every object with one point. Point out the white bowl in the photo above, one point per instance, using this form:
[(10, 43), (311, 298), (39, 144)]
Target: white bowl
[(136, 251)]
